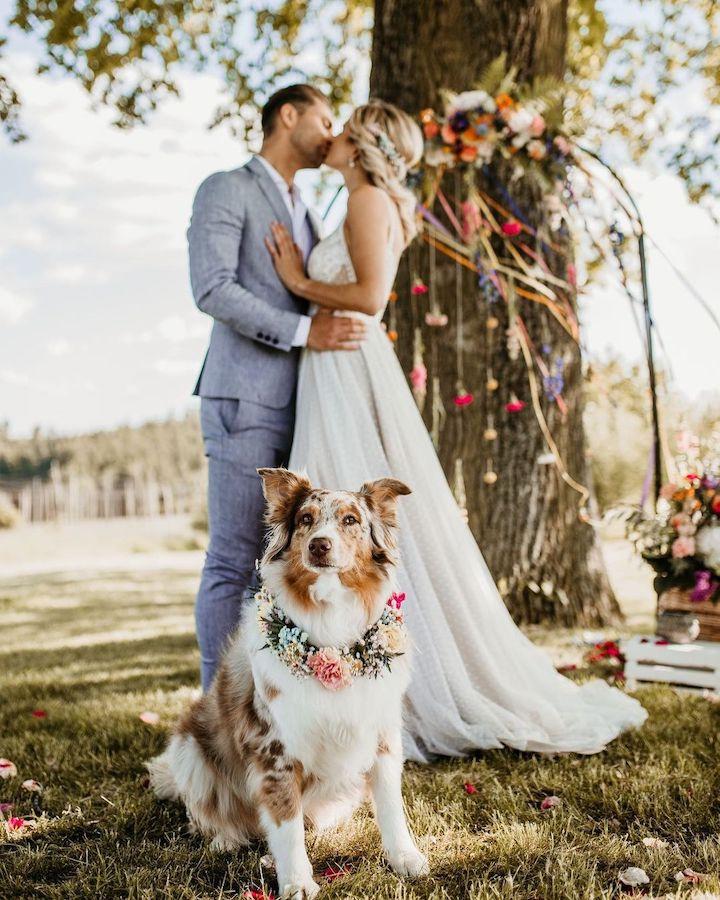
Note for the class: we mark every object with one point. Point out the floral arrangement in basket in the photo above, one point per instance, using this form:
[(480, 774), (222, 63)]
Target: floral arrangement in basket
[(500, 119), (682, 541)]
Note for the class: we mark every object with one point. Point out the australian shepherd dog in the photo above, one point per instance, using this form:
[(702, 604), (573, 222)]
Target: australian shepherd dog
[(303, 720)]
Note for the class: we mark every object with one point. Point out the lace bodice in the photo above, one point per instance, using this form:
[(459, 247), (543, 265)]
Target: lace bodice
[(330, 262)]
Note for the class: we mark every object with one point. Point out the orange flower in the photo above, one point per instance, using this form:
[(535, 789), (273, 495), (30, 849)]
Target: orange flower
[(431, 129), (468, 154), (393, 335), (393, 296), (504, 101)]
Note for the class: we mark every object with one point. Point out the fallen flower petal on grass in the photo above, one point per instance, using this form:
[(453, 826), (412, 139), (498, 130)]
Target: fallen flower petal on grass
[(633, 876), (7, 769), (32, 785), (655, 843), (333, 872), (15, 823), (469, 788), (38, 714), (149, 718), (550, 802), (5, 808), (253, 894), (688, 876)]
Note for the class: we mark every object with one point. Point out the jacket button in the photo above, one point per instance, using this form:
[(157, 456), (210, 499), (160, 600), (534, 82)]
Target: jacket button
[(259, 334), (275, 341)]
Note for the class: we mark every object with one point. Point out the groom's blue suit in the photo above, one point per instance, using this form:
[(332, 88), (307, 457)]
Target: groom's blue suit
[(247, 383)]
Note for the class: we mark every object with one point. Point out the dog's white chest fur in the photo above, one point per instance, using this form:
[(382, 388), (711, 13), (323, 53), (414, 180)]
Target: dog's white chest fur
[(334, 733)]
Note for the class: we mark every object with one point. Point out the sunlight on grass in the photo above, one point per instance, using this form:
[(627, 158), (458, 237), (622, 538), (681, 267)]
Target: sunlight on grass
[(96, 649)]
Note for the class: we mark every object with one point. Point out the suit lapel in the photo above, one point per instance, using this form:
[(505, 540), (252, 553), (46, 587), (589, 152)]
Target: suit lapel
[(268, 187)]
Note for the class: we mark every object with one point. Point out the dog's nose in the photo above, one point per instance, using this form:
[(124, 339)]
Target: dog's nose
[(320, 546)]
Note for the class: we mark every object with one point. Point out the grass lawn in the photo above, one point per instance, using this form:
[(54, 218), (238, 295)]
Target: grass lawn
[(95, 648)]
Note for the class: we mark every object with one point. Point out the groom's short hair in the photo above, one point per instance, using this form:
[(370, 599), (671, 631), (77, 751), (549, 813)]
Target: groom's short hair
[(300, 95)]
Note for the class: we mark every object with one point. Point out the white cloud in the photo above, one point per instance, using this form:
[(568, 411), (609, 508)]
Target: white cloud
[(175, 366), (54, 179), (171, 330), (68, 273), (59, 347), (16, 379), (12, 306)]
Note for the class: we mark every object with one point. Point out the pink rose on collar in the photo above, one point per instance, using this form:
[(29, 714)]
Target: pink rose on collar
[(329, 668)]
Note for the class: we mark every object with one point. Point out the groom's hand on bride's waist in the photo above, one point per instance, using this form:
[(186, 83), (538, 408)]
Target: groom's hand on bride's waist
[(329, 332)]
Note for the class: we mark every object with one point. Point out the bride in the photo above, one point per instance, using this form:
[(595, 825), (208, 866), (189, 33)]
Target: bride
[(478, 682)]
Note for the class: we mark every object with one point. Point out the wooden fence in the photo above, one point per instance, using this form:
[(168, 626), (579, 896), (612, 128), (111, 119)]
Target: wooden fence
[(73, 497)]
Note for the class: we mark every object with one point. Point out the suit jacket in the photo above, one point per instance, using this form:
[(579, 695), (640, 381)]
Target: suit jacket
[(233, 279)]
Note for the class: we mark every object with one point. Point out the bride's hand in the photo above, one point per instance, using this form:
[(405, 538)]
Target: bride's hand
[(287, 257)]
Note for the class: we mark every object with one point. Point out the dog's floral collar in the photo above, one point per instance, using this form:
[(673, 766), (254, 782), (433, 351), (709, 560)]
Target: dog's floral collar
[(334, 667)]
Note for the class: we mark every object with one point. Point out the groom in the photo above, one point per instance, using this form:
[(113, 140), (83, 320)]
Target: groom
[(248, 380)]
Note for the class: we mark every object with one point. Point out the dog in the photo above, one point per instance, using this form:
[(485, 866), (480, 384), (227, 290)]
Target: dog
[(303, 720)]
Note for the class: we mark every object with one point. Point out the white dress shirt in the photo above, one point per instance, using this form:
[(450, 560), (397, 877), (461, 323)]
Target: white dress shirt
[(302, 234)]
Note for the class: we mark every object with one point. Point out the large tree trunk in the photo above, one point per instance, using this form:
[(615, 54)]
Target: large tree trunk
[(544, 558)]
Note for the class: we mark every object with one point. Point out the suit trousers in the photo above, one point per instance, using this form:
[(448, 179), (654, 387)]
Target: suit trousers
[(239, 437)]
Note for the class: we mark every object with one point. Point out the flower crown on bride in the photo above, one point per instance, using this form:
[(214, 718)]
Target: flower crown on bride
[(388, 149)]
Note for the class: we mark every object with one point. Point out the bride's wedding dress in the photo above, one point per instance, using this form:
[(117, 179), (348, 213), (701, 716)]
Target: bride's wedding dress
[(477, 682)]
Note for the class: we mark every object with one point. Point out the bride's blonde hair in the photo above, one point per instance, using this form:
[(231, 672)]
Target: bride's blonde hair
[(389, 143)]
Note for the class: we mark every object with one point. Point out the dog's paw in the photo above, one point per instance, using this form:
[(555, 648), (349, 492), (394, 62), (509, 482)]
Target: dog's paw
[(410, 862), (306, 889)]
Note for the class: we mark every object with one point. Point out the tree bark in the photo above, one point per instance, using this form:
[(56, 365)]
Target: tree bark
[(545, 560)]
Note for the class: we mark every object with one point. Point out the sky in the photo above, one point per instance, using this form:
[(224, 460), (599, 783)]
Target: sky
[(97, 322)]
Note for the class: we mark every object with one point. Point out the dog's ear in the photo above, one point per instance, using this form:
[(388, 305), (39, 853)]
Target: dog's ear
[(381, 499), (284, 492)]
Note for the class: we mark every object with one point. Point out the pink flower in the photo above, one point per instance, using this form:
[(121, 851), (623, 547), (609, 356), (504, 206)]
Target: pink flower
[(16, 823), (705, 586), (562, 144), (536, 150), (418, 377), (511, 228), (329, 669), (448, 135), (682, 547), (418, 287), (469, 788), (8, 769), (333, 872), (537, 126), (396, 600), (471, 219), (550, 802), (515, 405), (463, 399), (5, 808), (149, 718), (436, 320)]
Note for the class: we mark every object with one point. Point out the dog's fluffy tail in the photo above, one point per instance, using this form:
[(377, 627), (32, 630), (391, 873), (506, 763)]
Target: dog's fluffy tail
[(162, 780)]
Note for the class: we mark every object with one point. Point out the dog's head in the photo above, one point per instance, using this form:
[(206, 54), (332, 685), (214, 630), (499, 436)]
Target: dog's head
[(315, 531)]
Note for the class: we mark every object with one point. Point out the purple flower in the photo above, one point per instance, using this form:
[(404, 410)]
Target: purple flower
[(705, 586), (459, 122)]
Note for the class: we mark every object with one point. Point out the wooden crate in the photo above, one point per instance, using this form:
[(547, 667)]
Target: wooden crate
[(707, 612), (695, 665)]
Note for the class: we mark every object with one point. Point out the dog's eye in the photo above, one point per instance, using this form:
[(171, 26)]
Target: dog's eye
[(350, 520), (305, 519)]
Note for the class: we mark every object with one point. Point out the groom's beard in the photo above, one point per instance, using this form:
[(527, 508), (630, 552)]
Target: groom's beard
[(310, 154)]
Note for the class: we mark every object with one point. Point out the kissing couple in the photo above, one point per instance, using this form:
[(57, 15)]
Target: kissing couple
[(300, 373)]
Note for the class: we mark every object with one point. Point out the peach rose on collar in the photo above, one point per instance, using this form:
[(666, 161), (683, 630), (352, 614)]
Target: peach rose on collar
[(329, 668)]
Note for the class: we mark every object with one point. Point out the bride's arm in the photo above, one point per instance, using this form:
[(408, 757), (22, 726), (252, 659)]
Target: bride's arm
[(368, 224)]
